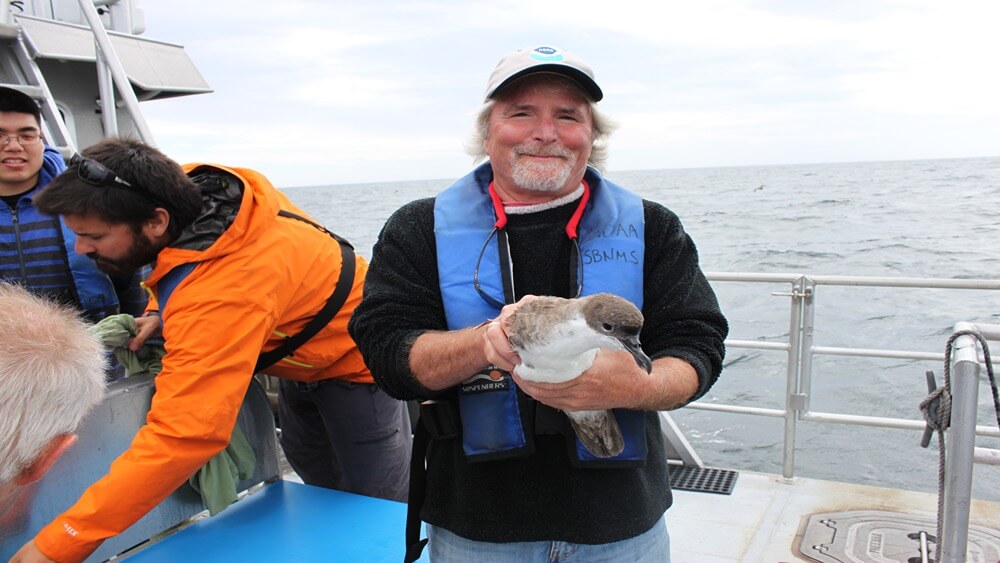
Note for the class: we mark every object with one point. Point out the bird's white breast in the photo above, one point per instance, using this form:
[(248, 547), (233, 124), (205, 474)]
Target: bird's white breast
[(560, 355)]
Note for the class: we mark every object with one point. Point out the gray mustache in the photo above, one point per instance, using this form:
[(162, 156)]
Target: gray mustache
[(539, 151)]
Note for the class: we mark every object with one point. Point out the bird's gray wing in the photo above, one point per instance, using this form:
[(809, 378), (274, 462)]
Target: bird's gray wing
[(598, 431)]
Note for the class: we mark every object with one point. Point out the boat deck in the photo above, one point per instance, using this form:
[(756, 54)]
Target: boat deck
[(762, 520)]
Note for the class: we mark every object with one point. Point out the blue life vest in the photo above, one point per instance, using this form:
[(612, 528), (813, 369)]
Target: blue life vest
[(37, 250), (612, 248)]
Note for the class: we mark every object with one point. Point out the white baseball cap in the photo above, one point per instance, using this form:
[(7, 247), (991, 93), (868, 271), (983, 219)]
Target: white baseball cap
[(543, 59)]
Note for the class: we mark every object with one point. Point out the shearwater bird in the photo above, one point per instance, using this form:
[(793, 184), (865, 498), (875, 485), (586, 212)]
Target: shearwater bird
[(557, 340)]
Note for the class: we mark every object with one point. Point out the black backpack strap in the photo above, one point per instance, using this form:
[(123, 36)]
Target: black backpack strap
[(329, 310)]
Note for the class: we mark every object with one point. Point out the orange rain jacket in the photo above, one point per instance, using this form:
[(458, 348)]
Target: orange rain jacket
[(265, 273)]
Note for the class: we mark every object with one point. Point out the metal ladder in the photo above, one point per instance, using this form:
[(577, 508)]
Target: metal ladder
[(21, 72)]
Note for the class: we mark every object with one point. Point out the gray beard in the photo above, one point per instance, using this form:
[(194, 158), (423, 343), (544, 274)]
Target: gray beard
[(541, 178)]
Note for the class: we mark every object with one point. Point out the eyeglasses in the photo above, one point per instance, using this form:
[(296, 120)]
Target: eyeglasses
[(24, 139), (505, 270), (95, 173)]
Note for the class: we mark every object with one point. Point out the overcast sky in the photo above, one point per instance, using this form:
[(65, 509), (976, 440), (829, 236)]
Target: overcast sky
[(334, 92)]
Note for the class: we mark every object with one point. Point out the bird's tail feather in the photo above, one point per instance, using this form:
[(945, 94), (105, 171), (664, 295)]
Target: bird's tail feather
[(598, 431)]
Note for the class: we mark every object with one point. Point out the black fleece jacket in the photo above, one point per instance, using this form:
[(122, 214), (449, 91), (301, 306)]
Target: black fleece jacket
[(538, 497)]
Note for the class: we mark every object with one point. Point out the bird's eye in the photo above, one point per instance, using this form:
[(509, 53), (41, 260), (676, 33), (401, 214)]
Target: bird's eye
[(607, 326)]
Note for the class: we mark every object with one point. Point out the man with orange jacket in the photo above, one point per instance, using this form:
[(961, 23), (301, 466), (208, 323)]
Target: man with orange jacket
[(240, 272)]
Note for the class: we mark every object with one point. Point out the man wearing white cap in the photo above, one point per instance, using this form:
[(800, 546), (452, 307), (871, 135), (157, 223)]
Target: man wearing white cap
[(506, 477)]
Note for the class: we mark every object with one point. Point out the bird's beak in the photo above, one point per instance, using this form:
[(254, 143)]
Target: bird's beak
[(634, 348)]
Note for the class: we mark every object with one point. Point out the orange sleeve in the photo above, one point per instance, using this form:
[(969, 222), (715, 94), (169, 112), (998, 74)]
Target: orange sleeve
[(157, 462), (198, 396)]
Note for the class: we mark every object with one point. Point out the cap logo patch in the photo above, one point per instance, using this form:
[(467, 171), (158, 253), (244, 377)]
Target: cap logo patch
[(546, 54)]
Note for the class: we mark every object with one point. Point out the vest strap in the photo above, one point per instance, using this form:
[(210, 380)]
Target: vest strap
[(418, 484), (329, 310), (440, 419), (418, 490)]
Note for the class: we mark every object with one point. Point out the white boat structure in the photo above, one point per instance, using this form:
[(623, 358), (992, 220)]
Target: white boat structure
[(81, 58)]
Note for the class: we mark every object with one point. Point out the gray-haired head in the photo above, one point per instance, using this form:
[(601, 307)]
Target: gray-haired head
[(51, 374), (543, 66)]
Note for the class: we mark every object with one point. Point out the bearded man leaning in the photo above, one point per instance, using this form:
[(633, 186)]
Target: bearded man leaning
[(242, 275)]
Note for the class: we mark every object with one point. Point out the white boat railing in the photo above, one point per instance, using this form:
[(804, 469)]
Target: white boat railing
[(801, 350)]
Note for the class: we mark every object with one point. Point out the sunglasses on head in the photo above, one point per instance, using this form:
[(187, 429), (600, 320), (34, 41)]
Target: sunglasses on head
[(96, 174)]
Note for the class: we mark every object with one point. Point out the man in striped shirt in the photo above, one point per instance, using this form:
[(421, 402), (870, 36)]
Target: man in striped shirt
[(36, 250)]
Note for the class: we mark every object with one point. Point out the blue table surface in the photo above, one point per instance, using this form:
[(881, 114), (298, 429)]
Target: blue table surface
[(288, 521)]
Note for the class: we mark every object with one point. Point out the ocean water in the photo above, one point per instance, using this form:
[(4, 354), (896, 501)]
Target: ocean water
[(926, 218)]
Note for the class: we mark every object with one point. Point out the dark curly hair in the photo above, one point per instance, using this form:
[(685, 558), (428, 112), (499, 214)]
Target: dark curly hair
[(156, 180)]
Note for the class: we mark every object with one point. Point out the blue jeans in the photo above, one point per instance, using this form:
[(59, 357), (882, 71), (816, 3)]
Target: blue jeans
[(652, 546)]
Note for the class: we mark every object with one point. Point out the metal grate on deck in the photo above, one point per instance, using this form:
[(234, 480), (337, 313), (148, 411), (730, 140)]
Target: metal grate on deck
[(702, 479)]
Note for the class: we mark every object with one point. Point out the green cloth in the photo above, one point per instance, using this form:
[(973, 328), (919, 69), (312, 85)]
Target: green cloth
[(218, 479), (115, 331)]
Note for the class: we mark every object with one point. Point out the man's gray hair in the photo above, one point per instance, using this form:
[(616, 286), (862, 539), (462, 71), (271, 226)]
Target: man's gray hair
[(603, 125), (51, 374)]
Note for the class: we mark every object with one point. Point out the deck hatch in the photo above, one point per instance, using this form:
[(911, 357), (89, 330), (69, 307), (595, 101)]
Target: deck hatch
[(880, 536), (702, 479)]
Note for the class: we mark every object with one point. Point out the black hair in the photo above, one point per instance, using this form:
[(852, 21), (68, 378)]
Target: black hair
[(18, 102), (156, 181)]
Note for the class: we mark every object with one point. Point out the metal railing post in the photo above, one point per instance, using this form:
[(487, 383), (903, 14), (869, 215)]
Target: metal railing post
[(106, 89), (808, 325), (106, 51), (792, 380), (960, 446)]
